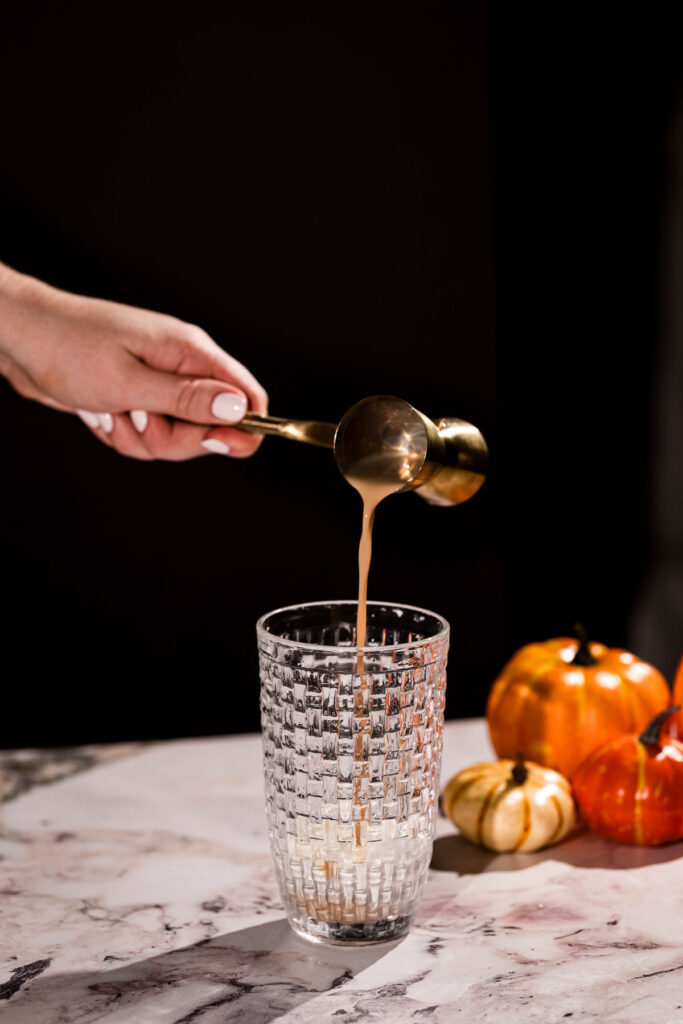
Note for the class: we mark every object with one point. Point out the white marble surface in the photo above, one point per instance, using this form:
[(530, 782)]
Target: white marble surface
[(136, 887)]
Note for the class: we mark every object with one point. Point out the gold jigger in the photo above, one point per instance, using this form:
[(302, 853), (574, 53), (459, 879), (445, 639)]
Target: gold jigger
[(385, 438)]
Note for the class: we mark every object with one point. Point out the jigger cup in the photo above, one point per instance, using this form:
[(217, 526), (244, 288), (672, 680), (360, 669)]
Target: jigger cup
[(444, 460), (352, 742)]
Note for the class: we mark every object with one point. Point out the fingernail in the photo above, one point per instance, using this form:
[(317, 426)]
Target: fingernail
[(214, 445), (106, 422), (229, 408), (89, 418), (139, 418)]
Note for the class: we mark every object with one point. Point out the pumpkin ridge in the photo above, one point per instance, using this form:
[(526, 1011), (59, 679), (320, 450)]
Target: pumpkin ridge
[(582, 706), (556, 779), (450, 799), (641, 754), (560, 820), (495, 695), (486, 803), (526, 826), (596, 754), (541, 672), (630, 702)]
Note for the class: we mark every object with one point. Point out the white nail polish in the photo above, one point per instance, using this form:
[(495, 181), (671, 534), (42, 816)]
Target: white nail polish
[(229, 408), (106, 422), (139, 418), (214, 445), (90, 419)]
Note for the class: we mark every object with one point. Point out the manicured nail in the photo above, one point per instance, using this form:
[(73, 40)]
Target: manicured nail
[(90, 419), (139, 418), (229, 408), (214, 445), (106, 422)]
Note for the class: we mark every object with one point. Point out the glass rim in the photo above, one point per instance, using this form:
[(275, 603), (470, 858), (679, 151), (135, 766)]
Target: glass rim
[(444, 628)]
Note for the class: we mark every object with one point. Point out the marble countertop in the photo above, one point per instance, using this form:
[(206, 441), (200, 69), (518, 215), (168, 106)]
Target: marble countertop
[(136, 887)]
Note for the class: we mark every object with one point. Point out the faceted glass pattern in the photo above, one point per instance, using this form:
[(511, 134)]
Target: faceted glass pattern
[(352, 754)]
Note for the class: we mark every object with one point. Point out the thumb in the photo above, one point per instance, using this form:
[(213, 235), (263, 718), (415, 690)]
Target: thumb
[(195, 399)]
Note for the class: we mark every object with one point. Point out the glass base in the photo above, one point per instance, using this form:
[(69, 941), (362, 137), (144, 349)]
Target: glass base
[(337, 933)]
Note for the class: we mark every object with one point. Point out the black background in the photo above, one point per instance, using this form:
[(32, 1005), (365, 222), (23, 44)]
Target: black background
[(456, 203)]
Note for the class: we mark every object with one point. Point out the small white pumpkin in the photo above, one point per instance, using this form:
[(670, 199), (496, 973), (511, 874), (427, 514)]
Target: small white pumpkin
[(510, 805)]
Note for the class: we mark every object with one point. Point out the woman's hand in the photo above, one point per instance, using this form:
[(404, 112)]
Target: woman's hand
[(146, 384)]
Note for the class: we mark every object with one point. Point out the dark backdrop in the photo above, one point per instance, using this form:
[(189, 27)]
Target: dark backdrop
[(440, 201)]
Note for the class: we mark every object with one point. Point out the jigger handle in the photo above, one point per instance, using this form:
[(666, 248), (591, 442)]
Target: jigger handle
[(308, 431)]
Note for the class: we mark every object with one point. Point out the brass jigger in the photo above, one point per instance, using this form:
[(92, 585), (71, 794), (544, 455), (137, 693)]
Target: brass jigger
[(384, 438)]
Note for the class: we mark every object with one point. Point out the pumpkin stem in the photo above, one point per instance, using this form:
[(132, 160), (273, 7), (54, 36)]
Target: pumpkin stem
[(583, 656), (650, 737), (520, 770)]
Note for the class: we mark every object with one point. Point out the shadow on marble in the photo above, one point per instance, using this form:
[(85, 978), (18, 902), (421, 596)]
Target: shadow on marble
[(267, 969), (582, 850)]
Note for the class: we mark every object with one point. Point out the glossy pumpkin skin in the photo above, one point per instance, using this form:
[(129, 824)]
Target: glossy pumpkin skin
[(558, 712), (494, 811), (633, 792)]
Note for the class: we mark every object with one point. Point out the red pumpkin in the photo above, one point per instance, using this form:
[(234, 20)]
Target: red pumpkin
[(631, 789), (559, 700)]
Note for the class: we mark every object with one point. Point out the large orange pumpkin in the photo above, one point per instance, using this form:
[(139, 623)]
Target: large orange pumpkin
[(631, 789), (559, 700)]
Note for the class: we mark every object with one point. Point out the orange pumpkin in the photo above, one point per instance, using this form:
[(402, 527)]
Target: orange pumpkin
[(559, 700), (631, 789)]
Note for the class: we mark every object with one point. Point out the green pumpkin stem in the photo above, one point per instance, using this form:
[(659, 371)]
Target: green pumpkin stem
[(651, 737), (520, 770), (583, 656)]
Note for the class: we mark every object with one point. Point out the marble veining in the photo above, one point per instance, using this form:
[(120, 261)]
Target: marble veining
[(21, 770), (136, 887)]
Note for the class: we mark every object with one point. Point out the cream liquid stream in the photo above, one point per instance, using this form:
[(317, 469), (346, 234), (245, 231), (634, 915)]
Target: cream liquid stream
[(375, 477), (372, 490)]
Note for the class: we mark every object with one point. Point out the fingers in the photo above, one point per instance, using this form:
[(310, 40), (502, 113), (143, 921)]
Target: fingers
[(237, 373), (224, 367), (116, 431), (186, 396), (126, 440), (194, 399), (228, 441), (174, 440), (188, 351), (149, 436), (94, 420)]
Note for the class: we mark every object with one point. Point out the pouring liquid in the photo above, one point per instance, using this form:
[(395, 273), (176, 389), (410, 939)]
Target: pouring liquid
[(371, 493), (375, 478)]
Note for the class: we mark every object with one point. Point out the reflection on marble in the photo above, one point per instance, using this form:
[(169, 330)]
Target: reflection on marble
[(139, 888)]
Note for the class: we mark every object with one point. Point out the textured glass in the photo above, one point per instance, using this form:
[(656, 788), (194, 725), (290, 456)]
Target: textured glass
[(352, 754)]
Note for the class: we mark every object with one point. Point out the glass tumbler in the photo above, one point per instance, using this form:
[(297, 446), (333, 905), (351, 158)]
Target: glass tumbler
[(352, 743)]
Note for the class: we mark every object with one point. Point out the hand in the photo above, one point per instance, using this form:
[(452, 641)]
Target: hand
[(146, 384)]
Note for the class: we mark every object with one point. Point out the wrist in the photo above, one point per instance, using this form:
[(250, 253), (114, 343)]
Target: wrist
[(20, 297)]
